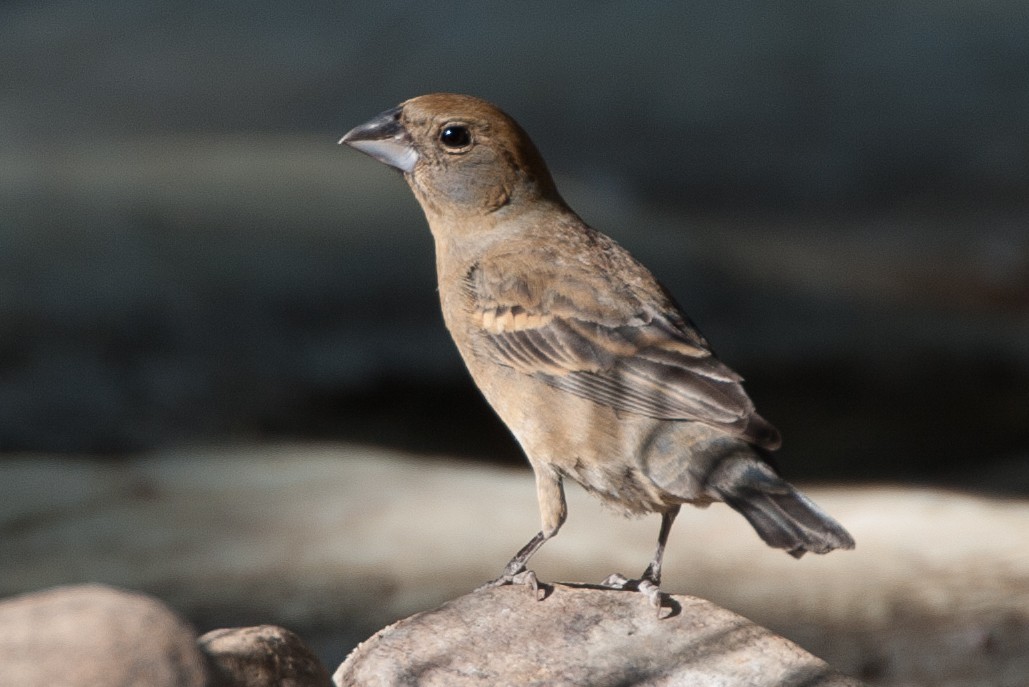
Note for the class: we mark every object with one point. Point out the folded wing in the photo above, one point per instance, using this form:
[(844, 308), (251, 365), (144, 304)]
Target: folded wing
[(626, 354)]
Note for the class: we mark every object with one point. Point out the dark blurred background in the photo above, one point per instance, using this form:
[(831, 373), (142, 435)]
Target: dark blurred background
[(836, 191)]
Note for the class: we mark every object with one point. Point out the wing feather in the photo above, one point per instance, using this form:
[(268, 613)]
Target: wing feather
[(637, 357)]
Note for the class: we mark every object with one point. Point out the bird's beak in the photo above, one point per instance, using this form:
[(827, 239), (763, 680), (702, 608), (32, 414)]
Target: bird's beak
[(385, 139)]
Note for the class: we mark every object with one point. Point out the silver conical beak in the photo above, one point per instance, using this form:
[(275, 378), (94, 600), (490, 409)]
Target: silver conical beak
[(385, 139)]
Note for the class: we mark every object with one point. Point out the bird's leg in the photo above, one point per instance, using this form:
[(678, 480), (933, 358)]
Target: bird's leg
[(515, 571), (650, 582), (653, 572), (553, 511)]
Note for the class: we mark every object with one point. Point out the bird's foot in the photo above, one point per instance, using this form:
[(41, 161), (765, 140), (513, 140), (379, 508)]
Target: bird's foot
[(526, 577), (649, 588)]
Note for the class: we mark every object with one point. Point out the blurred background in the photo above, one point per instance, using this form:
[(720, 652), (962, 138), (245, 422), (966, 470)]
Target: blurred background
[(838, 193)]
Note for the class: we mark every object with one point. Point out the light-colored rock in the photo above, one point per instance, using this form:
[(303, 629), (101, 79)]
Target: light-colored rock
[(336, 542), (93, 636), (261, 656), (580, 636)]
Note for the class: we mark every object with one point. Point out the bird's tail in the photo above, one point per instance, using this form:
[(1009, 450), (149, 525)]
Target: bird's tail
[(784, 517)]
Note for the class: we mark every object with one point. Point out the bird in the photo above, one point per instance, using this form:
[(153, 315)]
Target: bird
[(585, 356)]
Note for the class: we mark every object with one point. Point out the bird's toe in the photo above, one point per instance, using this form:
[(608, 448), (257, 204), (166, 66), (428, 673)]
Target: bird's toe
[(649, 588), (616, 581), (525, 577)]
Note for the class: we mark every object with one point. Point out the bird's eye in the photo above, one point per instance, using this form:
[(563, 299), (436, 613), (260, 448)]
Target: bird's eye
[(455, 136)]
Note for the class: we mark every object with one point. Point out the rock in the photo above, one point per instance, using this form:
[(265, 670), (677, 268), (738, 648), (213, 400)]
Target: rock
[(337, 541), (580, 636), (91, 635), (262, 656)]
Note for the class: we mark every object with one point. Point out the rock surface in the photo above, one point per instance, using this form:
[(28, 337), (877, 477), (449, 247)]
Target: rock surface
[(95, 635), (91, 635), (338, 541), (580, 636), (261, 656)]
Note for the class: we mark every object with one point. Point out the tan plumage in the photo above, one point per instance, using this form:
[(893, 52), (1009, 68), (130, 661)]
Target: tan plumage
[(582, 353)]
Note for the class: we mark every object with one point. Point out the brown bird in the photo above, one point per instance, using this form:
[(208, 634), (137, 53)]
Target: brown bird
[(583, 354)]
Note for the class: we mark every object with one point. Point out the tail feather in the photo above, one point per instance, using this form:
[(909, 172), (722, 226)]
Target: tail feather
[(785, 518)]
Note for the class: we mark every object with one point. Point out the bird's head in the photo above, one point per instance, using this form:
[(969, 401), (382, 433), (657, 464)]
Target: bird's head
[(461, 155)]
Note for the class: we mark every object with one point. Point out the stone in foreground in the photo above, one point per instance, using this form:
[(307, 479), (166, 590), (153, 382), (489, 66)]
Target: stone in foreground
[(262, 656), (96, 635), (581, 635)]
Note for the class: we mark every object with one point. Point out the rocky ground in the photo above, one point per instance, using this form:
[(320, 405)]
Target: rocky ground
[(91, 635), (337, 541)]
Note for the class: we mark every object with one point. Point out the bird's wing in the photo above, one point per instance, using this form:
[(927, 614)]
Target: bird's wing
[(601, 341)]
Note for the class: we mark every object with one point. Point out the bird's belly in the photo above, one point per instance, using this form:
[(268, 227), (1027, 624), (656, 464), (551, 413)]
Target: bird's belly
[(611, 453)]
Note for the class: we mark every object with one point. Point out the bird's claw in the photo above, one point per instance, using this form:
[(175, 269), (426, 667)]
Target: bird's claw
[(616, 581), (652, 592), (526, 577), (645, 586)]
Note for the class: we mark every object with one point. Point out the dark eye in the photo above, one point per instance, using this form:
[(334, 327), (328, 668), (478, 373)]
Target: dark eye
[(455, 136)]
